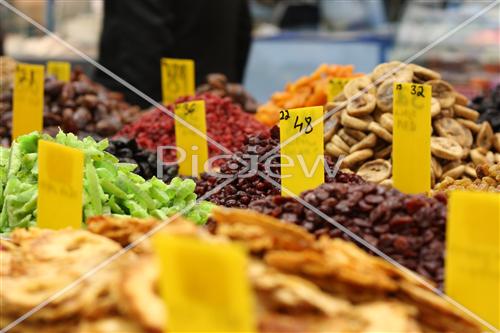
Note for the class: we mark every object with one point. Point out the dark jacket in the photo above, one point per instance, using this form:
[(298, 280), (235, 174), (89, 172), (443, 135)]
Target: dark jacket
[(138, 33)]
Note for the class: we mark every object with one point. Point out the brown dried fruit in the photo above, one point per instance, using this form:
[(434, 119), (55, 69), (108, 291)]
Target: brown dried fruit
[(444, 92), (445, 148)]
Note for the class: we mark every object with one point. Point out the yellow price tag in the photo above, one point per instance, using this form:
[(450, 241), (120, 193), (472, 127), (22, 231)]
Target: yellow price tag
[(302, 159), (60, 186), (472, 267), (204, 285), (177, 76), (411, 147), (336, 86), (60, 69), (192, 149), (27, 100)]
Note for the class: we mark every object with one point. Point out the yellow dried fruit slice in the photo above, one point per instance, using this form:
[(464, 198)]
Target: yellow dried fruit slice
[(375, 171), (446, 148), (444, 92)]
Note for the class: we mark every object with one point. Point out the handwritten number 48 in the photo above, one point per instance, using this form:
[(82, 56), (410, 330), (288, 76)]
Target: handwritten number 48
[(308, 129)]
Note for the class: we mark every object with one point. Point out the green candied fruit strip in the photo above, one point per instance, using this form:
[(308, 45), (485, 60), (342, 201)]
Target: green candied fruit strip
[(14, 160), (159, 214), (135, 209), (159, 196), (113, 190), (139, 195), (29, 143), (126, 167), (93, 189), (115, 207)]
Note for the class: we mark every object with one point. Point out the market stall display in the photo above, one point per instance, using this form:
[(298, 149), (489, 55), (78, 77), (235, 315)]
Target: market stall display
[(299, 284), (127, 151), (307, 91), (361, 130), (109, 187), (218, 84), (80, 106), (227, 124), (248, 186), (408, 228)]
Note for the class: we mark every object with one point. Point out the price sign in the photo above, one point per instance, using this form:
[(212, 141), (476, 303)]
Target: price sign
[(177, 79), (336, 86), (302, 159), (192, 149), (60, 69), (472, 267), (27, 100), (411, 147), (204, 285), (60, 186)]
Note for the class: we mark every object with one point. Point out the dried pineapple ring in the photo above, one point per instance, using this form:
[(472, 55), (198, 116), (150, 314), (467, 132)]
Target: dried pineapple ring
[(485, 137), (138, 289), (424, 74), (444, 92), (394, 70), (450, 128), (362, 105), (446, 148), (358, 85), (375, 171)]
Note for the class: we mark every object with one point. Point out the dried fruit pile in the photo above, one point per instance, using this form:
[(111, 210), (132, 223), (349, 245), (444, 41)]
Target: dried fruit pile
[(109, 187), (226, 123), (307, 91), (408, 228), (127, 151), (81, 107), (298, 284), (489, 108), (217, 84), (7, 69), (362, 128), (249, 186), (488, 180)]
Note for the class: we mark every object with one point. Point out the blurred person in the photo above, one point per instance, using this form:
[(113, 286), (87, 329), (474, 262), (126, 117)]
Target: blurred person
[(136, 34)]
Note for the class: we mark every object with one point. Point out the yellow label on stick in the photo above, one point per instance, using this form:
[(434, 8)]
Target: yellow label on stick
[(302, 158), (472, 267), (177, 76), (336, 86), (60, 69), (411, 147), (204, 285), (27, 100), (60, 186), (192, 148)]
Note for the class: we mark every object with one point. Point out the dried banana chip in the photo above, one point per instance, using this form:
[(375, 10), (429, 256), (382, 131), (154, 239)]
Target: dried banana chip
[(444, 92), (368, 142), (465, 112), (485, 136), (450, 128), (446, 148), (423, 74), (375, 171), (359, 85), (380, 131), (362, 105), (357, 157), (353, 122)]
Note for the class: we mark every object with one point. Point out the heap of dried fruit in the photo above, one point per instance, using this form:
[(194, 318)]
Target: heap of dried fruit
[(488, 180), (80, 106), (307, 91), (227, 124), (298, 284), (7, 69), (361, 129), (217, 84), (127, 151), (247, 185), (408, 228), (489, 108)]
